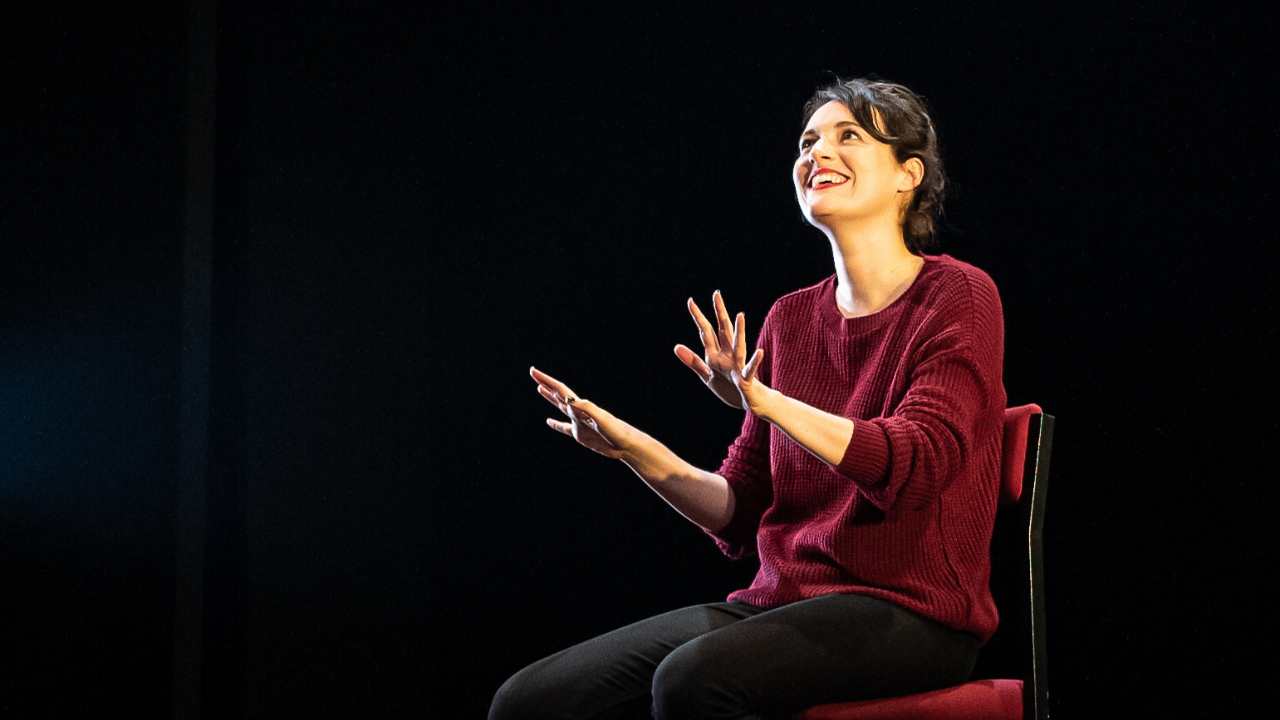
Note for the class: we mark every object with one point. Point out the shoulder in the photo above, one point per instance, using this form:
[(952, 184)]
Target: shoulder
[(962, 286), (968, 302), (961, 276)]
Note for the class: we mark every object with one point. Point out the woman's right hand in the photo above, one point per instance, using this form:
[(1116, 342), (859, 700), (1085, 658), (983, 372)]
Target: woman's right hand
[(715, 371), (591, 425)]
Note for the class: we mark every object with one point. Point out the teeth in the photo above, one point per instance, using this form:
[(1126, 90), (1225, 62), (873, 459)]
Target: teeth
[(827, 178)]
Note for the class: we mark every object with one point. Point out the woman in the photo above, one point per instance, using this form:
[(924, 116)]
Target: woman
[(865, 477)]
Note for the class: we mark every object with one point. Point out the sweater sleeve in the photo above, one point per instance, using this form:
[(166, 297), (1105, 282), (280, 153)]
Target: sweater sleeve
[(746, 468), (912, 454)]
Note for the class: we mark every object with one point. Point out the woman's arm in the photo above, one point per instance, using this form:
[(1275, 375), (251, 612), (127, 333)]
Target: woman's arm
[(824, 435), (704, 498)]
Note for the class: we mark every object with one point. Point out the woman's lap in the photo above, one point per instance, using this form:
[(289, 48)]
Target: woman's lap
[(832, 648), (609, 675), (735, 660)]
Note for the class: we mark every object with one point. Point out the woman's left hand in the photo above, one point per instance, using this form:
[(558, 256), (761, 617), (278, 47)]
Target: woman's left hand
[(754, 393)]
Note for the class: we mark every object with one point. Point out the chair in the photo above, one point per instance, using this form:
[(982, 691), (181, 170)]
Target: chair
[(1017, 582)]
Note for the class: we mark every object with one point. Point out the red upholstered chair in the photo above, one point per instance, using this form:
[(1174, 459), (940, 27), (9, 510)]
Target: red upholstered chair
[(1017, 582)]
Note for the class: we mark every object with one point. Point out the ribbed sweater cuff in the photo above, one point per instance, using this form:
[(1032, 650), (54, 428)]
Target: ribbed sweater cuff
[(737, 539), (866, 460)]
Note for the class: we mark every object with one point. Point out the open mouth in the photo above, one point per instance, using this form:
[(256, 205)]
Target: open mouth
[(825, 179)]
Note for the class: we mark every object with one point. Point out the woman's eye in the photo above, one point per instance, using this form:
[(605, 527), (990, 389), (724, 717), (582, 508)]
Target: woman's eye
[(809, 141)]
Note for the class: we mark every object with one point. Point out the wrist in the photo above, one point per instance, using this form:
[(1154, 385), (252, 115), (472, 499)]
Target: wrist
[(636, 448), (766, 408)]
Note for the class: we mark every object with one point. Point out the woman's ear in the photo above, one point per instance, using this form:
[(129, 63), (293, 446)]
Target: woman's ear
[(914, 169)]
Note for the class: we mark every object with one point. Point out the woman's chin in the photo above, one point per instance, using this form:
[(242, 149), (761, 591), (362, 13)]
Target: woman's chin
[(818, 210)]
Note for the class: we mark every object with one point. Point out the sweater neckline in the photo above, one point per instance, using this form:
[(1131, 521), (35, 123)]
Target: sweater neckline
[(836, 320)]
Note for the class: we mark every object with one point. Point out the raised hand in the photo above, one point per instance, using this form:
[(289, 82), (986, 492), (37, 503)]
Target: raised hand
[(591, 425), (724, 369)]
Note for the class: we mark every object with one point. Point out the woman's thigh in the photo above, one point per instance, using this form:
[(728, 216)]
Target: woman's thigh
[(832, 648), (610, 675)]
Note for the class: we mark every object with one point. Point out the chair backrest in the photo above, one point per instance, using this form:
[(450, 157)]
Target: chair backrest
[(1017, 422), (1017, 553)]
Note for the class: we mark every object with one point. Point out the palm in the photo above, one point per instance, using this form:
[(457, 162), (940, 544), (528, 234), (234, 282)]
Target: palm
[(723, 368)]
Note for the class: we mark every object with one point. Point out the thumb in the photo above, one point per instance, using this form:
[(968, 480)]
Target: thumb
[(754, 364), (588, 412), (578, 407)]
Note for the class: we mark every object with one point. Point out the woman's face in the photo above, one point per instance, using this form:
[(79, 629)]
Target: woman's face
[(869, 180)]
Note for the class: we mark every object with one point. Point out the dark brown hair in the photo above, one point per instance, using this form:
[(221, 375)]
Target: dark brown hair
[(909, 131)]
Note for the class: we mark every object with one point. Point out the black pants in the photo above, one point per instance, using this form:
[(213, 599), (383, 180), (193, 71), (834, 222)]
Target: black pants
[(734, 660)]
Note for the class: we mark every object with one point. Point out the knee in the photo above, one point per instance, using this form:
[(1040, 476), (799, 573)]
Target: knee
[(519, 698), (685, 685)]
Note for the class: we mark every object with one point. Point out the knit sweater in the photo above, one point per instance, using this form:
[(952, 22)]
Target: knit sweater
[(907, 514)]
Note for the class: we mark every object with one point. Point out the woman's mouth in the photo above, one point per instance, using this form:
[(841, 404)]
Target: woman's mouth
[(825, 179), (816, 188), (825, 186)]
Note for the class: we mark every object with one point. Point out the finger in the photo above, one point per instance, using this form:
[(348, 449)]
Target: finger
[(694, 363), (705, 331), (552, 398), (740, 339), (551, 382), (544, 379), (722, 318), (561, 427), (754, 365)]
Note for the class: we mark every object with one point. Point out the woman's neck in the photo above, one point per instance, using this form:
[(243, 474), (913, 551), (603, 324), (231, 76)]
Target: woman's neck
[(873, 277)]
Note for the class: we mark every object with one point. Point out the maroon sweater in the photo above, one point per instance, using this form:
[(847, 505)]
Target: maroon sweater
[(907, 515)]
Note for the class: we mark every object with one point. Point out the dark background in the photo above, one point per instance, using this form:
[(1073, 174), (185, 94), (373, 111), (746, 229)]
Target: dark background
[(411, 206)]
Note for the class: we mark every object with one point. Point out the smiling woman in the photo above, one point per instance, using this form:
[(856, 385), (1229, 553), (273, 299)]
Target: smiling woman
[(856, 116), (864, 477)]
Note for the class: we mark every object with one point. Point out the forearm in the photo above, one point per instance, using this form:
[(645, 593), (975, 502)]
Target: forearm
[(824, 435), (704, 498)]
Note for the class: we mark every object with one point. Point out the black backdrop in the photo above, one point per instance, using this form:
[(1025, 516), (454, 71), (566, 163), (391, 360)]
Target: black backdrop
[(412, 206)]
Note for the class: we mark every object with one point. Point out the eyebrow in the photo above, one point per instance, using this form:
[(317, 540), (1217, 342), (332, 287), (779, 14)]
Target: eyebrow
[(842, 122)]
